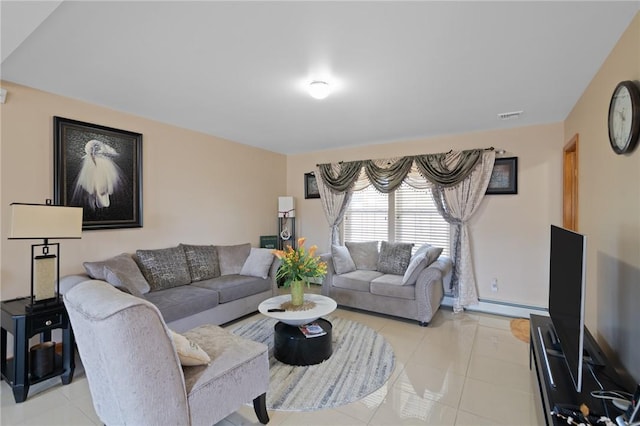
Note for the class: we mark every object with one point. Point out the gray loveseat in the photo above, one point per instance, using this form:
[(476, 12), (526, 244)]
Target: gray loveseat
[(191, 285), (388, 280)]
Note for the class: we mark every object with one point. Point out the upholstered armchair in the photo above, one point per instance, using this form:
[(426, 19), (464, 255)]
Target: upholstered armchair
[(134, 372)]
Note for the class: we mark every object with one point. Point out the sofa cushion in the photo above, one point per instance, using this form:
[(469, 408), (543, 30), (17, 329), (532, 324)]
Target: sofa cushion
[(342, 261), (232, 258), (124, 265), (189, 352), (364, 255), (202, 261), (258, 263), (164, 268), (233, 287), (122, 281), (356, 280), (390, 285), (179, 302), (394, 257)]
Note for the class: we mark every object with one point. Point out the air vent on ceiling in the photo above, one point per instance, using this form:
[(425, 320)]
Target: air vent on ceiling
[(509, 115)]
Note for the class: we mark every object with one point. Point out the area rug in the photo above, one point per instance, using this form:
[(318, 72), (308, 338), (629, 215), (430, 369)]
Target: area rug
[(520, 329), (361, 363)]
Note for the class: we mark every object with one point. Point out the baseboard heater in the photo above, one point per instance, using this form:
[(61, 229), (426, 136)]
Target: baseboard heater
[(501, 308)]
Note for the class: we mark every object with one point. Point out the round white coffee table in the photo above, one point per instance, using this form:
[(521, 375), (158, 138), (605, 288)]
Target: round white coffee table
[(323, 306)]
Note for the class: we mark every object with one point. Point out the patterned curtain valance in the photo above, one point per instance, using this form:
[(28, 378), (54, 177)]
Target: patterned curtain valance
[(444, 169)]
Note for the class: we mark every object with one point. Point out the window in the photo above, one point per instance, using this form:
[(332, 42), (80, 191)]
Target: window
[(407, 215), (366, 217)]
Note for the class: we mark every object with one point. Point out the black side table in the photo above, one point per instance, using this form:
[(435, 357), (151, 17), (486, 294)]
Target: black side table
[(294, 348), (23, 325)]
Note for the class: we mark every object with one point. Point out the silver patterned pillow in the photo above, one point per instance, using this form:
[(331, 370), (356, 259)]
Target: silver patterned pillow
[(394, 258), (202, 262), (164, 268)]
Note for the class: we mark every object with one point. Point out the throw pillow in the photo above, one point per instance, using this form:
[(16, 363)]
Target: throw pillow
[(422, 258), (394, 258), (258, 263), (127, 281), (342, 261), (164, 268), (121, 281), (189, 352), (123, 263), (364, 255), (202, 262), (432, 253), (232, 258), (416, 265)]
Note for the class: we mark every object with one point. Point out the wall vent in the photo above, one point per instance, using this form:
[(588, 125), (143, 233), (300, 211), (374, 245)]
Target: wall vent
[(509, 115)]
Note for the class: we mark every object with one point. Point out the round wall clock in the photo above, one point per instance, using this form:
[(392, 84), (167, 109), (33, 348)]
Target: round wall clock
[(624, 117)]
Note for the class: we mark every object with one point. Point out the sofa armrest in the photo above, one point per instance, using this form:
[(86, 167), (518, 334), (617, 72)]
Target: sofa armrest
[(69, 281), (445, 265), (327, 281), (430, 288)]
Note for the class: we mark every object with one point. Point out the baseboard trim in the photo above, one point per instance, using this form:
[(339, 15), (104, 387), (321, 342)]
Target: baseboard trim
[(501, 308)]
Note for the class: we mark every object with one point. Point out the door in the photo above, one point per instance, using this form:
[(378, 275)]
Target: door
[(570, 185)]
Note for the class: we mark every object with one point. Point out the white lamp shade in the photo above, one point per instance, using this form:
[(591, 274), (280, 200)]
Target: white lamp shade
[(40, 221), (285, 206)]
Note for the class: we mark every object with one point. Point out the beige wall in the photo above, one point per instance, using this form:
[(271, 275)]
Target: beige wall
[(609, 202), (509, 232), (196, 188)]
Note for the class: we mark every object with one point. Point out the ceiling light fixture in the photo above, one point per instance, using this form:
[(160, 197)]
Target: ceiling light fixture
[(319, 89)]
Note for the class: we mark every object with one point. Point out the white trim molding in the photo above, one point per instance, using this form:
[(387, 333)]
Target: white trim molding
[(500, 308)]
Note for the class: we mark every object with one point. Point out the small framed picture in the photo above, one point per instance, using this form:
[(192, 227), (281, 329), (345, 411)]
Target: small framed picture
[(310, 186), (504, 178), (99, 169)]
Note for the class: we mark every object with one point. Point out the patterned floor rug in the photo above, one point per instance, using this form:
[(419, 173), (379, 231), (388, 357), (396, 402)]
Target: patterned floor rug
[(361, 363)]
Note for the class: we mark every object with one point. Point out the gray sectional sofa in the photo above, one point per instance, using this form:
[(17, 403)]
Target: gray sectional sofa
[(389, 279), (191, 284)]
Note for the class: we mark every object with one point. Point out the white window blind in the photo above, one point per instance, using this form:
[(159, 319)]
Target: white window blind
[(407, 215), (417, 220), (367, 216)]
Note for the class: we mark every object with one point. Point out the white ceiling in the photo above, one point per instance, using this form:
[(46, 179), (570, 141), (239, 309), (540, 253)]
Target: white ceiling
[(238, 70)]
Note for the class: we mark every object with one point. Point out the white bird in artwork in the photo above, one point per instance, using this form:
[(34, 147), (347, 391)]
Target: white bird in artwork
[(99, 176)]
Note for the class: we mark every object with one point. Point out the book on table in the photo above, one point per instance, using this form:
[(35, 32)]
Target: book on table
[(312, 330)]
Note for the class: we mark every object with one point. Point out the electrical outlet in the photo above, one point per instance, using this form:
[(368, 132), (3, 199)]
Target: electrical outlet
[(494, 285)]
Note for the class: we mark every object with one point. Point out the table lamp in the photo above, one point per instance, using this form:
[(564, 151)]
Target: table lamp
[(45, 221)]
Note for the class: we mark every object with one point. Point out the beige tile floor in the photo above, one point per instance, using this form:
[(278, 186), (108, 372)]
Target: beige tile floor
[(464, 369)]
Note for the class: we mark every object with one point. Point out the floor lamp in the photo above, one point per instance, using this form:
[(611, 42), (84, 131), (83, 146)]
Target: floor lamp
[(45, 222)]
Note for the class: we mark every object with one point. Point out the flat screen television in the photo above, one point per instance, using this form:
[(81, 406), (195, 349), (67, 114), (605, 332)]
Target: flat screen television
[(566, 296)]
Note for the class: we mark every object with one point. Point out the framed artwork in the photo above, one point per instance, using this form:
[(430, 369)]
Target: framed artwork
[(100, 169), (310, 186), (504, 178)]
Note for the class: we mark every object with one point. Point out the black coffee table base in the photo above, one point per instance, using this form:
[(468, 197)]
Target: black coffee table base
[(293, 348)]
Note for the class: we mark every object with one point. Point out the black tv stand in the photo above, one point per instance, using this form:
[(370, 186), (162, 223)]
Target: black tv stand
[(553, 337), (592, 356), (554, 381)]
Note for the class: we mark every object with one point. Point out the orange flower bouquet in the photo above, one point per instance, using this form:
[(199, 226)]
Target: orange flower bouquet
[(298, 267)]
